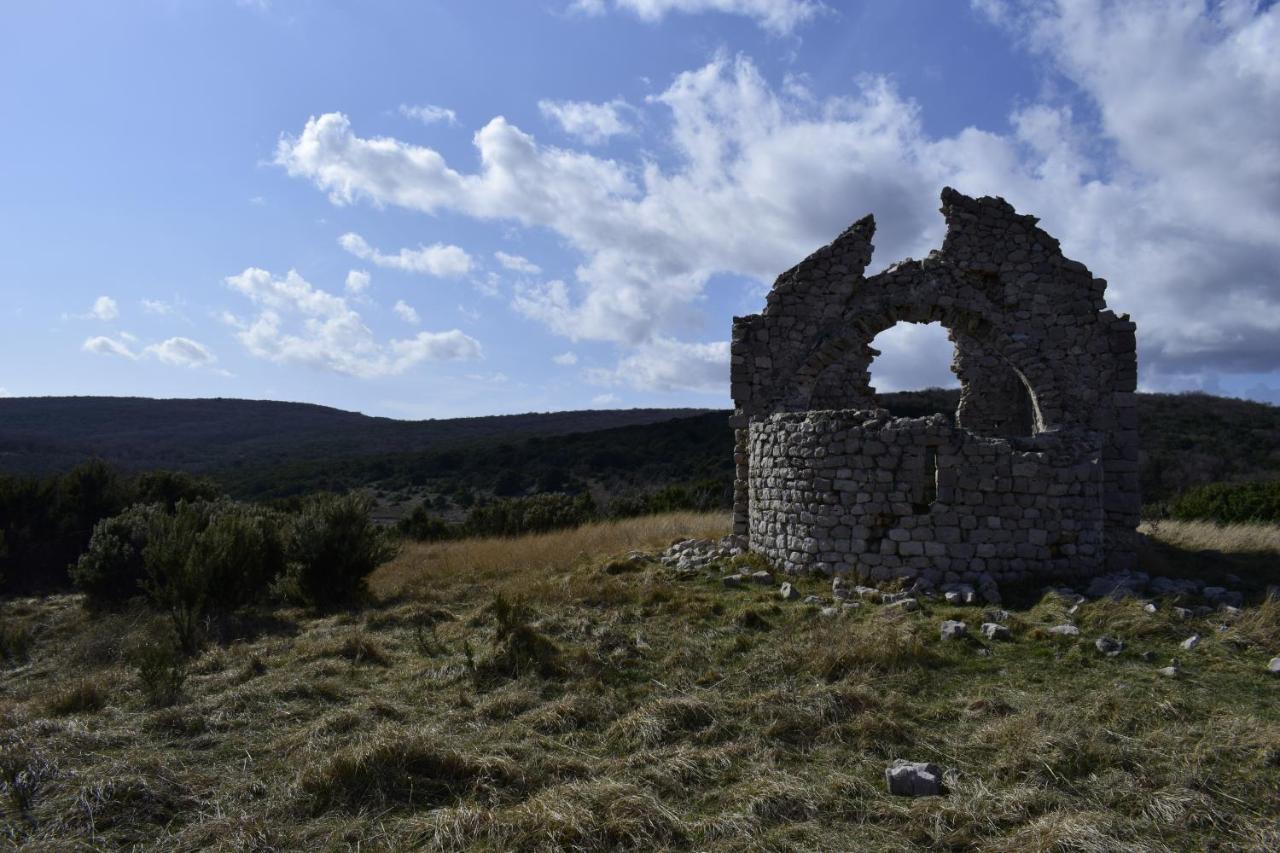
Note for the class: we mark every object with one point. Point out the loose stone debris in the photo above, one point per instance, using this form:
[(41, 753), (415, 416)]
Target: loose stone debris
[(914, 779), (1109, 646), (995, 631)]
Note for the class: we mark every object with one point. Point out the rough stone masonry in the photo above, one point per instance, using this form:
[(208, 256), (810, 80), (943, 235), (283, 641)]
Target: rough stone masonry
[(1038, 476)]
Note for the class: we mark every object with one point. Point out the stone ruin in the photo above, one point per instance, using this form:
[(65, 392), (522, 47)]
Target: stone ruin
[(1036, 479)]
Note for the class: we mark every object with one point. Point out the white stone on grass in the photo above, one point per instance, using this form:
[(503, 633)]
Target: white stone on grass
[(995, 631), (914, 778)]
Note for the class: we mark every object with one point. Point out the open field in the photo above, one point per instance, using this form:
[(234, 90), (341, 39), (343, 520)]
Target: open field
[(545, 693)]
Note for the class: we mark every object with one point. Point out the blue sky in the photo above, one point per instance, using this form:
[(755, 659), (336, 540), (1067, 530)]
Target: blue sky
[(460, 208)]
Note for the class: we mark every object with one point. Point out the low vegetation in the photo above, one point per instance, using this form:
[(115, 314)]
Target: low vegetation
[(558, 691), (1230, 503)]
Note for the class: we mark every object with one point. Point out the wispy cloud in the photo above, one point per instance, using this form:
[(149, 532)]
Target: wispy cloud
[(406, 312), (429, 114), (438, 260), (594, 124), (515, 263)]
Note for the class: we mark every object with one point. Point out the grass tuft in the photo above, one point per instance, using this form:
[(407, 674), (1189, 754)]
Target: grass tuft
[(397, 768)]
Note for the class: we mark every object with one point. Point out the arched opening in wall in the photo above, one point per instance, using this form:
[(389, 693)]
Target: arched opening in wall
[(911, 372)]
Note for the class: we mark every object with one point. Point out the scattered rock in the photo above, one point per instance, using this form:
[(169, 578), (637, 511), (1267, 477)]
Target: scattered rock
[(812, 599), (1191, 642), (867, 593), (1117, 586), (908, 605), (1149, 656), (787, 592), (995, 631), (1217, 595), (1169, 671), (1181, 613), (1109, 646), (1065, 631), (914, 779), (830, 611), (733, 581), (1274, 666), (891, 597), (954, 630), (840, 587), (959, 593), (762, 577), (1150, 607), (999, 616), (1229, 611)]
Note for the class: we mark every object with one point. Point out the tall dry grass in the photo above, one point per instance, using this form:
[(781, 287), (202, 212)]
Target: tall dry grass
[(1206, 535), (494, 560)]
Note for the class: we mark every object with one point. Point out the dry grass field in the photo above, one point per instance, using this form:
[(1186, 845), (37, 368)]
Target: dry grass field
[(545, 693)]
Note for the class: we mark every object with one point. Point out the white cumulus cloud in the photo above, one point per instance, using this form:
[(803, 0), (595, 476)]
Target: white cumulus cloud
[(181, 352), (594, 124), (565, 359), (357, 281), (1168, 184), (297, 323), (438, 260), (104, 308), (665, 364), (103, 345)]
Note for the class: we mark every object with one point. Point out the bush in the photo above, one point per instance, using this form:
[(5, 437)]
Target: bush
[(333, 547), (423, 527), (161, 670), (170, 487), (1229, 503), (535, 514), (112, 570), (211, 558), (199, 559)]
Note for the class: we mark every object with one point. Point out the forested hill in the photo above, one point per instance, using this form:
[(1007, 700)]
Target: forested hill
[(44, 435), (258, 449)]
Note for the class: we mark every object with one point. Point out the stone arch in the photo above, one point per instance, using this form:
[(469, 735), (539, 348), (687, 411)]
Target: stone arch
[(841, 359)]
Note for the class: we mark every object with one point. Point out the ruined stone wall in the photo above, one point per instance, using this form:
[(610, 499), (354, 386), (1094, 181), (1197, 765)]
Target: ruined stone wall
[(1039, 357), (858, 492)]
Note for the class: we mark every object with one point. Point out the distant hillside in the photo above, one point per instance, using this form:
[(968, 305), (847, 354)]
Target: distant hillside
[(43, 435), (270, 450)]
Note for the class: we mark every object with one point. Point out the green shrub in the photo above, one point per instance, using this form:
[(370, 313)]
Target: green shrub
[(112, 569), (201, 558), (161, 670), (423, 527), (170, 487), (211, 558), (534, 514), (518, 647), (1228, 503), (333, 547)]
